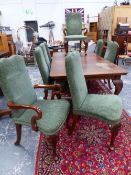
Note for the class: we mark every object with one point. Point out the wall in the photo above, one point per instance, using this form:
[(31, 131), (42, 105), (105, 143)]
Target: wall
[(15, 12)]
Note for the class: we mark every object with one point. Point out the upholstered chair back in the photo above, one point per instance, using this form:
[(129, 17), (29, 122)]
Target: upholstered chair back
[(16, 86), (73, 24), (111, 51), (76, 80), (47, 59), (48, 52), (41, 62), (99, 46)]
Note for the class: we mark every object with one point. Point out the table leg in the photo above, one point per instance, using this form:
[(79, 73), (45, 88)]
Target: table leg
[(118, 86)]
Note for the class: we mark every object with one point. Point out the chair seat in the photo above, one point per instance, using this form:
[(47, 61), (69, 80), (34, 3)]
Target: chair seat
[(75, 37), (105, 107), (55, 113)]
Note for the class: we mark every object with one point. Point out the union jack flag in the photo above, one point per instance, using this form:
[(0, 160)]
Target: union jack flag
[(74, 10)]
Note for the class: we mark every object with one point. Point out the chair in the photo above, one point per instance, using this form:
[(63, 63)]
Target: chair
[(111, 54), (103, 107), (47, 116), (44, 65), (46, 53), (73, 30), (99, 46), (111, 51)]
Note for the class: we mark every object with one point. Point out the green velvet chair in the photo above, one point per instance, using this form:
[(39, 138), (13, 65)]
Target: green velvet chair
[(111, 51), (47, 116), (44, 66), (73, 30), (99, 46), (46, 53), (111, 54), (107, 108)]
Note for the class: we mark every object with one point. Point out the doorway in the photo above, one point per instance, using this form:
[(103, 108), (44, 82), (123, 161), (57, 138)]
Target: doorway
[(32, 24)]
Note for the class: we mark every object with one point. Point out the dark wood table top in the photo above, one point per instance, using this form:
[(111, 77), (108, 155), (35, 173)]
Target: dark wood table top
[(94, 67)]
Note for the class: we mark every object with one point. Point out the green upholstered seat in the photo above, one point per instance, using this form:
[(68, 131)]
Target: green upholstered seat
[(73, 30), (42, 64), (17, 88), (111, 51), (103, 107), (99, 45), (46, 54)]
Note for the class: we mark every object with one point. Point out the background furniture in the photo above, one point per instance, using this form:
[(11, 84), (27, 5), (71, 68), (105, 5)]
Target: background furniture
[(73, 30)]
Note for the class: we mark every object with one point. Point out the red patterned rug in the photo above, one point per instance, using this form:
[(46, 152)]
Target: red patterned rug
[(86, 151)]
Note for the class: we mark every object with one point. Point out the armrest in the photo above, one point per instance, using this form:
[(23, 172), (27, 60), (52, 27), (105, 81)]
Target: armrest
[(5, 112), (52, 86), (85, 30), (65, 31), (13, 105)]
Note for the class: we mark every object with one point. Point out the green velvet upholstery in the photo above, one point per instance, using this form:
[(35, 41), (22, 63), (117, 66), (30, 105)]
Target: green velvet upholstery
[(99, 45), (41, 62), (74, 27), (111, 51), (104, 107), (48, 52), (17, 87), (47, 59)]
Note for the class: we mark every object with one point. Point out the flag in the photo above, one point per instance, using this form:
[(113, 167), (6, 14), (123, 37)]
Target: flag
[(75, 10)]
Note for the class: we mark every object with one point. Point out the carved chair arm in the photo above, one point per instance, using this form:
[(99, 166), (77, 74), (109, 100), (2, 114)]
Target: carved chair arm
[(5, 112), (65, 31), (84, 30), (13, 105)]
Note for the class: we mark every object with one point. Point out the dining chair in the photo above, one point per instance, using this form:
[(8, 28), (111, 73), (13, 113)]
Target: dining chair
[(99, 46), (47, 116), (107, 108), (111, 54), (46, 54), (44, 66), (73, 30)]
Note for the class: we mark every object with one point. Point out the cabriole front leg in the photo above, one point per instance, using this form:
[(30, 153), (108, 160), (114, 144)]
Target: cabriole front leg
[(118, 86)]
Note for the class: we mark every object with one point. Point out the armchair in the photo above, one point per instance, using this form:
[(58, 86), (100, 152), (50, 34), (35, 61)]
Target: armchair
[(73, 30), (107, 108), (47, 116)]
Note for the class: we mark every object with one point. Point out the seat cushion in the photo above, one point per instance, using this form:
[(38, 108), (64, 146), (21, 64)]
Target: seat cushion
[(105, 107), (55, 113), (75, 37)]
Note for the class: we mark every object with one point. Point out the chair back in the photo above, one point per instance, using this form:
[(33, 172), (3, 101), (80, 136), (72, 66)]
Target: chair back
[(48, 52), (76, 79), (41, 62), (47, 59), (74, 23), (99, 46), (15, 81), (111, 51)]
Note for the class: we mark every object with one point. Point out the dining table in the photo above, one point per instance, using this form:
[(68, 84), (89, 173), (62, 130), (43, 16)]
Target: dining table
[(94, 66)]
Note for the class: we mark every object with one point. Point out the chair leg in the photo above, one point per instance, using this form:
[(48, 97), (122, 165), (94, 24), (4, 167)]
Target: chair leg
[(109, 84), (114, 131), (18, 133), (52, 140), (46, 94), (86, 45), (66, 47), (75, 120)]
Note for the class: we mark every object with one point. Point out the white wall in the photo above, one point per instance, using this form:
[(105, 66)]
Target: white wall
[(15, 12)]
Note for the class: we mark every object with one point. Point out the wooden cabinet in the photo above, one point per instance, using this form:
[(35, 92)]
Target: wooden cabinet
[(91, 36), (93, 27), (120, 40), (110, 16)]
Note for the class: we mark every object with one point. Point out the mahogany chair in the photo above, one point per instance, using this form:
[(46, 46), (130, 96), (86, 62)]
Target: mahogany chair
[(107, 108), (73, 30), (46, 116), (99, 46)]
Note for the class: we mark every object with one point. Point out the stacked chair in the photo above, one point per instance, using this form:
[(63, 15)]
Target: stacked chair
[(107, 108), (47, 116)]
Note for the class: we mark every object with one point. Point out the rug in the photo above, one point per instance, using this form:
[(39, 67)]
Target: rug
[(87, 152)]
